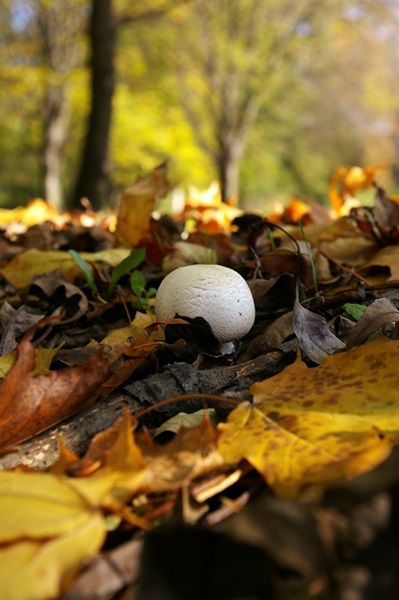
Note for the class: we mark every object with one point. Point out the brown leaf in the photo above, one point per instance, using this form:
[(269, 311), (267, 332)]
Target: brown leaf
[(29, 405), (379, 313), (313, 333), (137, 204)]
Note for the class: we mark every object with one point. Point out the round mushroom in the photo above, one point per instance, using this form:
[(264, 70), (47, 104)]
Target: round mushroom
[(218, 294)]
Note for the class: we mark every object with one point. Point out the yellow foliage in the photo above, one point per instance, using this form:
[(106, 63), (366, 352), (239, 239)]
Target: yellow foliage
[(137, 204), (319, 425), (48, 530), (43, 358)]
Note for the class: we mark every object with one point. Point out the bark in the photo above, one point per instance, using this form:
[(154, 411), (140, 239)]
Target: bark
[(93, 180), (229, 163), (55, 128)]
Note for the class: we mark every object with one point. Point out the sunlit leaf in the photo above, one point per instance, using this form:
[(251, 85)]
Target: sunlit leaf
[(22, 269), (137, 204), (319, 425), (33, 570), (30, 404)]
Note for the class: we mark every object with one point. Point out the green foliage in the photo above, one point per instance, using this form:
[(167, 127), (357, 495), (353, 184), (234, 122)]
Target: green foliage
[(138, 283), (86, 270), (355, 310), (128, 264)]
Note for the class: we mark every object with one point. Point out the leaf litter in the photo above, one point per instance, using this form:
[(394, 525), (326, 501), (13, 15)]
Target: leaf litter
[(311, 430)]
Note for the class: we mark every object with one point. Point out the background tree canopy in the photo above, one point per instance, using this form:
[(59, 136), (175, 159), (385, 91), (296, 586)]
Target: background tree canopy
[(266, 96)]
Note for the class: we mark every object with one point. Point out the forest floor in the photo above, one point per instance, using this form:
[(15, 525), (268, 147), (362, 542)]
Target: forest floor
[(141, 461)]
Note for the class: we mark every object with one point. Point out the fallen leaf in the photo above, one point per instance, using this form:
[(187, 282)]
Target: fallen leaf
[(387, 257), (14, 323), (30, 404), (22, 269), (313, 333), (346, 182), (319, 425), (386, 210), (63, 294), (49, 530), (342, 240), (379, 313), (137, 204)]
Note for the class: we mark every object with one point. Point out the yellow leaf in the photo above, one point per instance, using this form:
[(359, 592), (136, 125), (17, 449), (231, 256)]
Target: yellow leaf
[(36, 211), (319, 425), (33, 570), (386, 257), (22, 269), (134, 330), (137, 204), (346, 182), (38, 505), (43, 359)]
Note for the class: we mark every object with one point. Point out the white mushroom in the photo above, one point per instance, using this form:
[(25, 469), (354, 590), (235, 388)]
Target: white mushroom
[(218, 294)]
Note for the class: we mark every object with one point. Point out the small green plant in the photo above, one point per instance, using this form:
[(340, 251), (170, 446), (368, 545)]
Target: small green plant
[(137, 284), (127, 265)]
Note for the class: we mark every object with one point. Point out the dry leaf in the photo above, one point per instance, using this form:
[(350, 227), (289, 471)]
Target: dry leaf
[(30, 404), (319, 425), (313, 333), (386, 257), (22, 269), (346, 182), (379, 313), (137, 204), (49, 530)]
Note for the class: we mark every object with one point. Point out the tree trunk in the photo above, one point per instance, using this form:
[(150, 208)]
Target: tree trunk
[(228, 165), (54, 139), (93, 180)]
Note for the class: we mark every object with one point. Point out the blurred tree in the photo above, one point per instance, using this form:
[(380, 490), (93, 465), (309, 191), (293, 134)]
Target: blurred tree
[(93, 181), (238, 60), (42, 46), (233, 57), (60, 25)]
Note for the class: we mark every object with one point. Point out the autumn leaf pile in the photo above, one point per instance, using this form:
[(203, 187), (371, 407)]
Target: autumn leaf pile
[(77, 324)]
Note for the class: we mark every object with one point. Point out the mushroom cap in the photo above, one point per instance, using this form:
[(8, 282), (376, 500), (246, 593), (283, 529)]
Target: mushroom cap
[(218, 294)]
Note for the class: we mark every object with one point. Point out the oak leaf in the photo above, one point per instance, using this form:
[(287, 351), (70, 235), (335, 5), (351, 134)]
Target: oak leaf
[(319, 425)]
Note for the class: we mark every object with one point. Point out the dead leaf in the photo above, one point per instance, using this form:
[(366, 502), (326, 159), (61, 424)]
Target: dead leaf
[(49, 530), (29, 404), (379, 313), (313, 333), (137, 204), (346, 182), (22, 269), (319, 425), (69, 297), (387, 257), (14, 323), (386, 210)]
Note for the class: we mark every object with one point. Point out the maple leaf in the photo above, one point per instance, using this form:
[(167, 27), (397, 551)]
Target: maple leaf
[(319, 425)]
